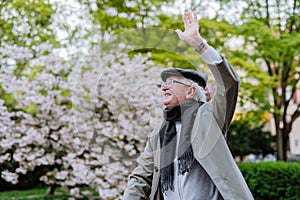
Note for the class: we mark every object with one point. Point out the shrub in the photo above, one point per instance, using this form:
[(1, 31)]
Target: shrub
[(272, 180)]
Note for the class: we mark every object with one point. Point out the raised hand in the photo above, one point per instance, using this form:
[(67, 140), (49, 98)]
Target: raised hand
[(191, 33)]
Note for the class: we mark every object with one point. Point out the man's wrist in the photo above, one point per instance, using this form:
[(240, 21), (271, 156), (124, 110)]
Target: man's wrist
[(202, 46)]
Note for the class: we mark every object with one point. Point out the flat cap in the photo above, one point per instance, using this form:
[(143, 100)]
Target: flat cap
[(198, 77)]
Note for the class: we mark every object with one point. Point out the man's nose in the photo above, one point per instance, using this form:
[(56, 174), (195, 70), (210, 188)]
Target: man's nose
[(164, 88)]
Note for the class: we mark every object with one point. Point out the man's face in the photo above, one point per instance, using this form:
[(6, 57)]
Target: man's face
[(175, 91)]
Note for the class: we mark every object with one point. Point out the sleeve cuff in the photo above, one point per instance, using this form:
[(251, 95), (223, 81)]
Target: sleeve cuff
[(211, 56)]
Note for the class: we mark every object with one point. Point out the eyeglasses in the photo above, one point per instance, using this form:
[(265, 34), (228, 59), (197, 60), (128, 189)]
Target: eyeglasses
[(170, 83)]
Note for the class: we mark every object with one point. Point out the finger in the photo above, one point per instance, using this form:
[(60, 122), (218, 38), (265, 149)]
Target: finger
[(185, 20), (195, 16), (179, 33), (189, 16)]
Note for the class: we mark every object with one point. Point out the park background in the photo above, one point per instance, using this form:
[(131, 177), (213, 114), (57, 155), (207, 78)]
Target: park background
[(79, 90)]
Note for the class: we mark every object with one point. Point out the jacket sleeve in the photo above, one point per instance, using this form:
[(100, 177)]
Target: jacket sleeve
[(224, 100), (140, 180)]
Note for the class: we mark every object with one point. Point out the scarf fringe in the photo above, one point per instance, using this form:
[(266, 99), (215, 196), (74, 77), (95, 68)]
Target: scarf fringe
[(167, 183), (185, 162)]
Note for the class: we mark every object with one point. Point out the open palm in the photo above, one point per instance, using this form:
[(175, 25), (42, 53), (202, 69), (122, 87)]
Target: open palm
[(191, 30)]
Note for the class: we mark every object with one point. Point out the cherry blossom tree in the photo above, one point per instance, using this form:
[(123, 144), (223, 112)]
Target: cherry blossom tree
[(87, 117)]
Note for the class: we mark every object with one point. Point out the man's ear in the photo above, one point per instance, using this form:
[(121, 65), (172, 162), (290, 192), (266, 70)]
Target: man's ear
[(191, 92)]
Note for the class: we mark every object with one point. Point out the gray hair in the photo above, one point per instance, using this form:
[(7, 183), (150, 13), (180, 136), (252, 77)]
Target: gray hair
[(200, 92)]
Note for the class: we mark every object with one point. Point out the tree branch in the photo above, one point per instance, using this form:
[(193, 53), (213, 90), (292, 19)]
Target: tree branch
[(268, 13), (296, 114), (293, 21)]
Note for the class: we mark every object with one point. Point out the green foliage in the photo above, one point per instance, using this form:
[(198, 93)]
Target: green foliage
[(26, 23), (39, 193), (9, 99), (116, 16), (34, 194), (32, 109), (255, 84), (165, 47), (34, 71), (272, 46), (170, 22), (272, 180), (164, 58), (216, 32), (243, 139), (271, 40)]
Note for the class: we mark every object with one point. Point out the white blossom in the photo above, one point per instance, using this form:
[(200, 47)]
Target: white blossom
[(9, 176), (61, 175), (92, 121)]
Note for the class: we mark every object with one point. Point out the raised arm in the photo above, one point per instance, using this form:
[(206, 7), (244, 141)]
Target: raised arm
[(224, 100)]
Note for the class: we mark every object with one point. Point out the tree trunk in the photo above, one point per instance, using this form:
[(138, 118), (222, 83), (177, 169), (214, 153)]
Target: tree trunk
[(51, 189), (282, 145), (286, 144), (280, 148)]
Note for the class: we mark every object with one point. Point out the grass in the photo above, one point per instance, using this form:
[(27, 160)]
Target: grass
[(39, 194)]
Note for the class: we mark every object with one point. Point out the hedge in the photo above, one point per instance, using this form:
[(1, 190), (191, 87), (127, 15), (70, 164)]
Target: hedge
[(273, 180)]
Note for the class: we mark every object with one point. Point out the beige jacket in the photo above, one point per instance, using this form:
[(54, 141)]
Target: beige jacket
[(208, 142)]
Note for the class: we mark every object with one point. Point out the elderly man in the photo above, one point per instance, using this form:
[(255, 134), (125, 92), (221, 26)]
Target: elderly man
[(187, 156)]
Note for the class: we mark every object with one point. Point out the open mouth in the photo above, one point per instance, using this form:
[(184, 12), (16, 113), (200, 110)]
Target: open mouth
[(167, 94)]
